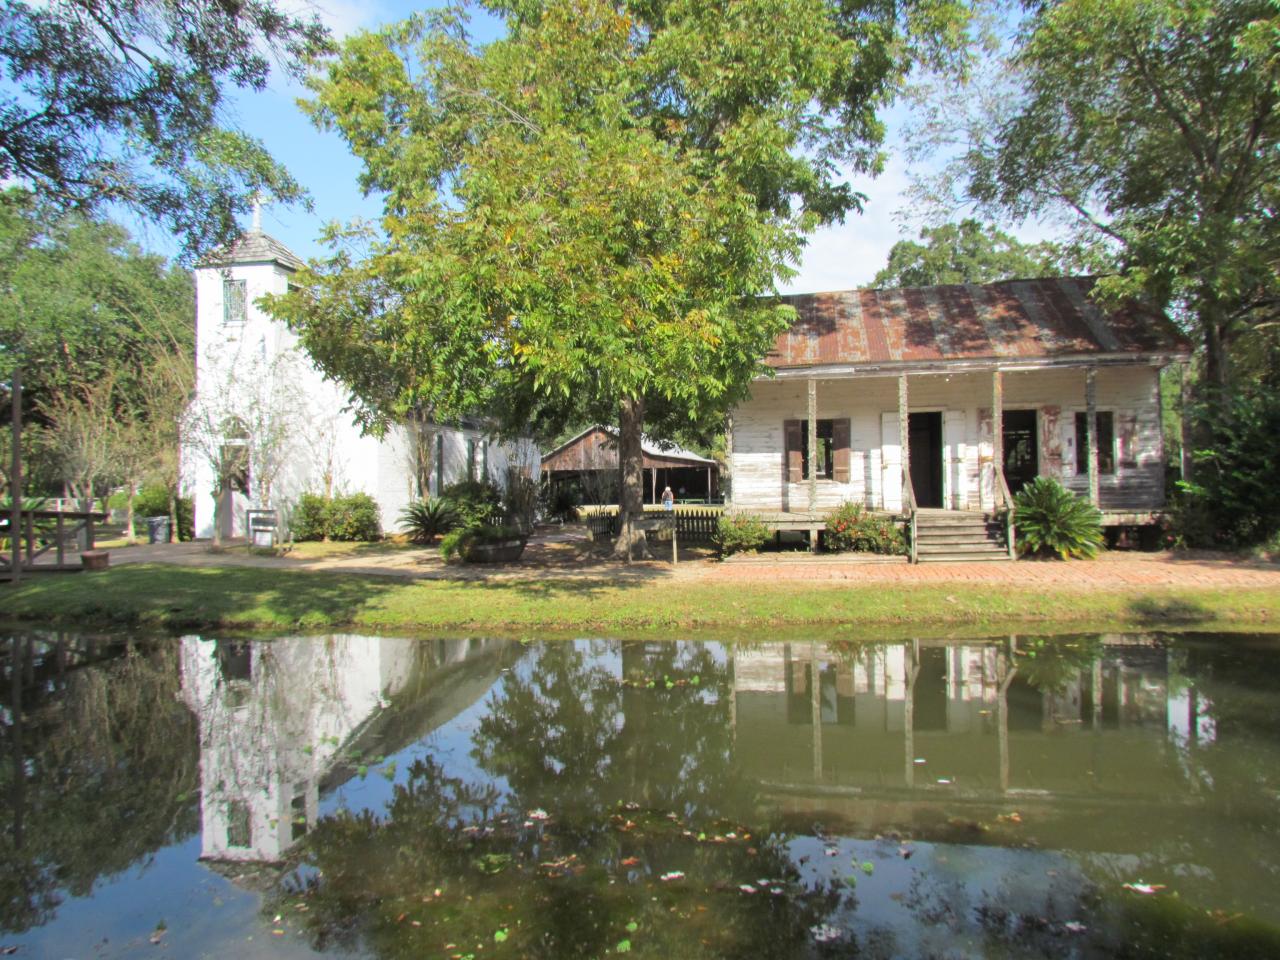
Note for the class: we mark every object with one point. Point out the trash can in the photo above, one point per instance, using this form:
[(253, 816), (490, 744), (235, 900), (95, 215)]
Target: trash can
[(157, 529)]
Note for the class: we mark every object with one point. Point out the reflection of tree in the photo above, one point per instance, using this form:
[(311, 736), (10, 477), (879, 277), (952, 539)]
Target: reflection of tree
[(100, 767), (1051, 664), (636, 781)]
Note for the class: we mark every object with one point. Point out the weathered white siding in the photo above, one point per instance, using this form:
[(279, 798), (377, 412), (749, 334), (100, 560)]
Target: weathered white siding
[(326, 448), (1130, 393)]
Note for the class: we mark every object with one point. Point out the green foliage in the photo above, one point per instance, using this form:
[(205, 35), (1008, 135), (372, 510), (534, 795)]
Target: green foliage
[(1234, 499), (123, 104), (520, 501), (583, 215), (475, 502), (973, 252), (561, 501), (851, 527), (425, 519), (455, 544), (1050, 519), (353, 518), (153, 501), (740, 533), (1156, 124)]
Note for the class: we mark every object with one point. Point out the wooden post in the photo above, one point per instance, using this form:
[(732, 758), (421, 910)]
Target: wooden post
[(1186, 422), (708, 484), (61, 547), (815, 708), (904, 435), (1091, 417), (997, 433), (813, 445), (15, 480), (726, 481), (910, 659), (653, 485), (674, 526)]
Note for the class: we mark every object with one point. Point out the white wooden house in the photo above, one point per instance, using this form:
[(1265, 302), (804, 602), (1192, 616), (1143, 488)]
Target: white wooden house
[(949, 398), (253, 375)]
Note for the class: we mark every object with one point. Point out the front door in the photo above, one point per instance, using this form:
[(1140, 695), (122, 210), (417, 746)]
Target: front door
[(1021, 456), (924, 435)]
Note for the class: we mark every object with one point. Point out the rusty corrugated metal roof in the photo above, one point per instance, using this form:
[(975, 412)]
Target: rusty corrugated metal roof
[(1013, 319)]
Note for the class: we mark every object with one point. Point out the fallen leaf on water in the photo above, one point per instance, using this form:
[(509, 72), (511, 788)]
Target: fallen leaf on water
[(630, 861), (1145, 888), (747, 888), (1074, 926), (632, 927), (500, 935), (1014, 817), (673, 875), (624, 946)]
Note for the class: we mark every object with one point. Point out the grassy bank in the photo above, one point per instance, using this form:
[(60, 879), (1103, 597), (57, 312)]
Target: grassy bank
[(232, 598)]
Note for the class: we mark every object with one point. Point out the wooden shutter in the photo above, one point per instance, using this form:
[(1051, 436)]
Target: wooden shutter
[(793, 432), (840, 453)]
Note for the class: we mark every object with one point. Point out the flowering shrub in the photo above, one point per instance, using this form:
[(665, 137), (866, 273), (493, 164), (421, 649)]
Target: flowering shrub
[(737, 533), (851, 527)]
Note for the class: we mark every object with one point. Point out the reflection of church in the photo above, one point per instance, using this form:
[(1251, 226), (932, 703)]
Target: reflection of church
[(282, 721), (909, 722)]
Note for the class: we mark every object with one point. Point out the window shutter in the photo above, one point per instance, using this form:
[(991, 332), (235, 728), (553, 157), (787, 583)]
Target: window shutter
[(840, 453), (792, 431)]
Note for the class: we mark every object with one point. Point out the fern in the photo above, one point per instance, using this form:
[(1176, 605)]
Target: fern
[(1052, 520)]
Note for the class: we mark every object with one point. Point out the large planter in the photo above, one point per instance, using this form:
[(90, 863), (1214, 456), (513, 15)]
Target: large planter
[(501, 551)]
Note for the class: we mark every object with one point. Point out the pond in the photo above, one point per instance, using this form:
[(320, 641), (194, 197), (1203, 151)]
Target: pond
[(1087, 796)]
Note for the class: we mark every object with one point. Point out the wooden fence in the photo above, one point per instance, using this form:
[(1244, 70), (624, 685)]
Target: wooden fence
[(693, 524)]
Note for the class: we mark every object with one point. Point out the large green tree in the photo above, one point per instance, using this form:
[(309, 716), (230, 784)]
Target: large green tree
[(973, 252), (1154, 124), (123, 102), (581, 217), (105, 335)]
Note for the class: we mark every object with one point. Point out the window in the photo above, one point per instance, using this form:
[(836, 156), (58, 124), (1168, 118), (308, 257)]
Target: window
[(1106, 443), (825, 462), (239, 825), (439, 463), (471, 460), (234, 299)]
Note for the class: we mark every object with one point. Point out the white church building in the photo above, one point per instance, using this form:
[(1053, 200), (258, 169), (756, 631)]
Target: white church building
[(264, 416)]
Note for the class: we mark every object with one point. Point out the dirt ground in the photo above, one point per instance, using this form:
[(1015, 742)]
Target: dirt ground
[(566, 553)]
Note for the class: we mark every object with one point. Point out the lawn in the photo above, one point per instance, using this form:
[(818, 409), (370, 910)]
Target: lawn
[(172, 598)]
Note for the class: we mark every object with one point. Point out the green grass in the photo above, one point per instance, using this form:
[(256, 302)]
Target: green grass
[(242, 598)]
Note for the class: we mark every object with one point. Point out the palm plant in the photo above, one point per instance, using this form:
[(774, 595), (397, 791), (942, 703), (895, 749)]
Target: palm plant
[(423, 520), (1051, 519)]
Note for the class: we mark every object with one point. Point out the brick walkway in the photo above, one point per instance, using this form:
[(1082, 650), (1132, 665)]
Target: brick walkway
[(560, 557)]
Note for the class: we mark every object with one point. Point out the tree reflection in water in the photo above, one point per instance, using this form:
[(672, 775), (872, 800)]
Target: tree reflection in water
[(622, 823)]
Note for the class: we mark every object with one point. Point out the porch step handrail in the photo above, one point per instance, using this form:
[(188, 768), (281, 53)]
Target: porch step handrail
[(909, 504), (1004, 499)]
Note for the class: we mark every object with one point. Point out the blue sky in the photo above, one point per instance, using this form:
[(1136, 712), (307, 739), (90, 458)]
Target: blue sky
[(836, 258)]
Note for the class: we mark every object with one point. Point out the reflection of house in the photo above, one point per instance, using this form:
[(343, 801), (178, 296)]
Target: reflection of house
[(589, 462), (252, 376), (283, 720), (974, 719), (939, 383)]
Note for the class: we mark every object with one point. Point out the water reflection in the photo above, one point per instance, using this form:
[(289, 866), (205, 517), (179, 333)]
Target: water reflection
[(792, 799)]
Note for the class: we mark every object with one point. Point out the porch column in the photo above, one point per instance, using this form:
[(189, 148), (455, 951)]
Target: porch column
[(997, 433), (653, 473), (904, 437), (726, 480), (813, 446), (708, 484), (1184, 416), (1091, 417)]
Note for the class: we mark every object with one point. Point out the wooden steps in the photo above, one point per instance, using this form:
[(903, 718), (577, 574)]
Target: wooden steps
[(956, 535)]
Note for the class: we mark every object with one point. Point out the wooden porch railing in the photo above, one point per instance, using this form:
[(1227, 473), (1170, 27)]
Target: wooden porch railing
[(911, 508), (1004, 500)]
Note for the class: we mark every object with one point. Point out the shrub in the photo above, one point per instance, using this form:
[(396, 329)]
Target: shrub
[(353, 518), (561, 501), (851, 527), (1051, 519), (425, 519), (521, 500), (739, 533), (153, 501), (475, 502), (310, 518), (1234, 500), (454, 544)]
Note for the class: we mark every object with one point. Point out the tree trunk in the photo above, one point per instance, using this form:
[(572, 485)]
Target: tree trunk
[(631, 542)]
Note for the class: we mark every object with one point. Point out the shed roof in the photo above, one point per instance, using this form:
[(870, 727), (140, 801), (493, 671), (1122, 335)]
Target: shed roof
[(653, 449), (254, 247), (1048, 319)]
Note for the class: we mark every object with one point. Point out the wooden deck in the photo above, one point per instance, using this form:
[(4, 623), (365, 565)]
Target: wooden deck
[(45, 539)]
